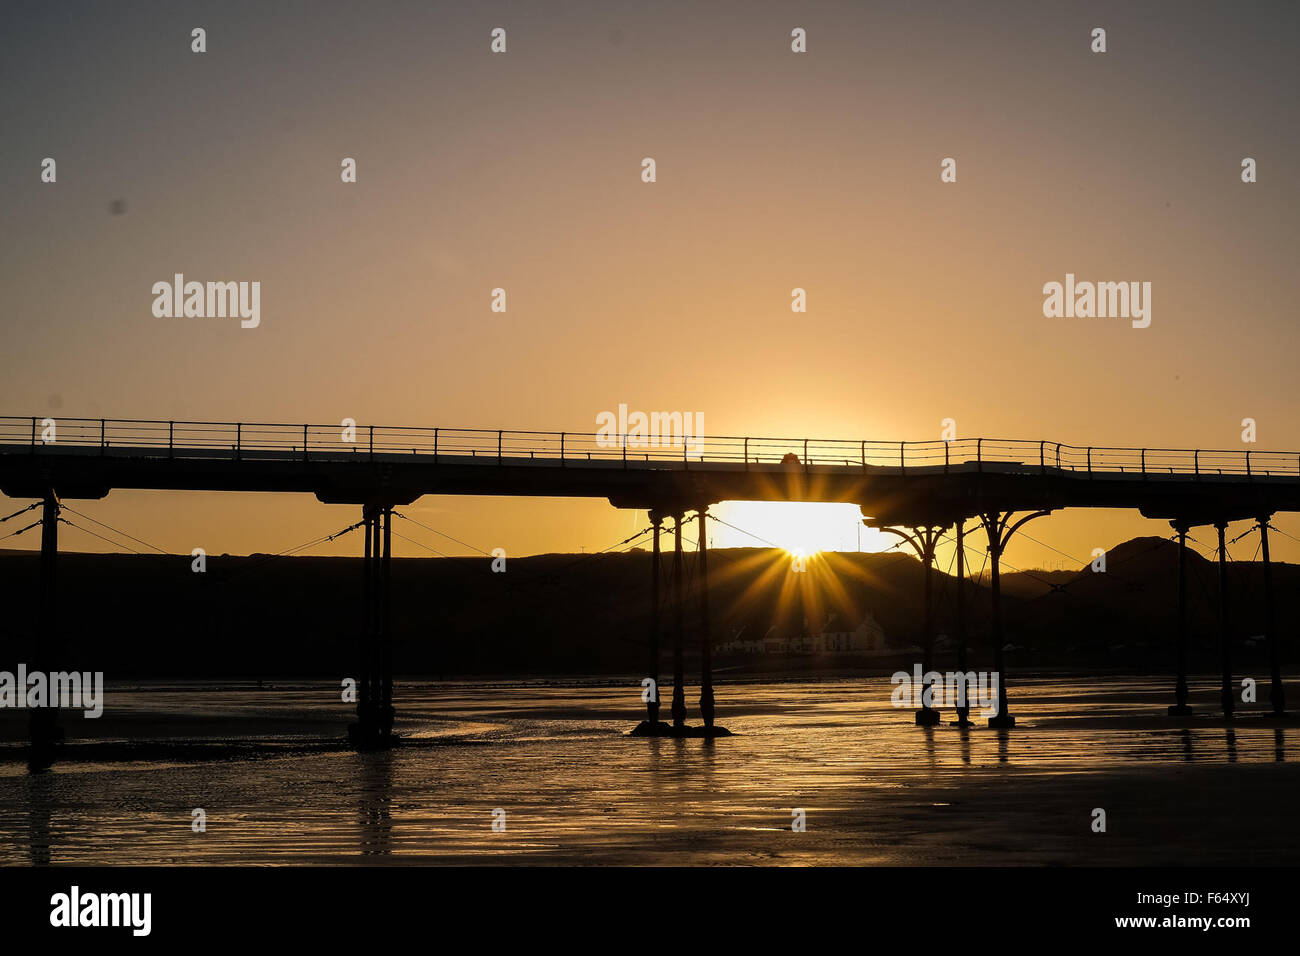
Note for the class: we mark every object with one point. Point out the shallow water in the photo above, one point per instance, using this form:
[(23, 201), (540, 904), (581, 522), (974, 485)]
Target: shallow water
[(873, 788)]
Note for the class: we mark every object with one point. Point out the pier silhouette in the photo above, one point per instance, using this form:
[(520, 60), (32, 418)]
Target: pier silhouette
[(917, 490)]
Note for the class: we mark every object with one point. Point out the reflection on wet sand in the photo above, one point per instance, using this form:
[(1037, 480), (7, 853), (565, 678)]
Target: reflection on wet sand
[(40, 801), (374, 810), (876, 789)]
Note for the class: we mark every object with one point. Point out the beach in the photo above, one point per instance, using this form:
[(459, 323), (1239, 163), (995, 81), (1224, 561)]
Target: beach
[(550, 764)]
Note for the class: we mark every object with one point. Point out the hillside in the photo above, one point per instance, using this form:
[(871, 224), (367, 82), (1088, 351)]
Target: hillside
[(565, 614)]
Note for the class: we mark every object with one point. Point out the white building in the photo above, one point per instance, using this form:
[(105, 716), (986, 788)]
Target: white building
[(867, 639)]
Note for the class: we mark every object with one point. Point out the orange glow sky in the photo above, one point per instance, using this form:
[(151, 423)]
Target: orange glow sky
[(775, 171)]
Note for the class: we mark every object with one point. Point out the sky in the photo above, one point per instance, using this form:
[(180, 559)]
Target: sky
[(775, 170)]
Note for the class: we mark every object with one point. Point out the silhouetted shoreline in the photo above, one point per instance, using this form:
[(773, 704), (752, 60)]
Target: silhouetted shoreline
[(148, 616)]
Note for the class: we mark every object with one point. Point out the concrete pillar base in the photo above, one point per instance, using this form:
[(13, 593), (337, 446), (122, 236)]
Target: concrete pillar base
[(1001, 721), (369, 736), (44, 745), (648, 729), (707, 733), (928, 717), (1179, 710)]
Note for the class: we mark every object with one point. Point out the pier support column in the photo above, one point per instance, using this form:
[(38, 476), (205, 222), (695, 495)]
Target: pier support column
[(359, 732), (1180, 708), (371, 649), (963, 710), (995, 527), (1276, 693), (44, 731), (924, 540), (652, 726), (706, 635), (1003, 717), (386, 710), (928, 716), (374, 726), (1226, 694), (365, 699), (679, 630), (652, 701)]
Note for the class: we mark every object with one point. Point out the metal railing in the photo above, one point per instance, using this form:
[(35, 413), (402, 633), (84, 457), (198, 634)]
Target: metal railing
[(261, 441)]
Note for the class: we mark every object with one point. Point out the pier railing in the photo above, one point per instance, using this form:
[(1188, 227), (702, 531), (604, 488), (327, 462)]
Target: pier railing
[(263, 441)]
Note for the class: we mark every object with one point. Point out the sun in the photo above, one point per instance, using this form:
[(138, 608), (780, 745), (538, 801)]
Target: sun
[(801, 528)]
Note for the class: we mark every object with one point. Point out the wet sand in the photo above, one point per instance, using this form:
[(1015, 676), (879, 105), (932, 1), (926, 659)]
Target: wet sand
[(278, 786)]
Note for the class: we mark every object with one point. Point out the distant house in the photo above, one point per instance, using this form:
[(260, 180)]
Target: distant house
[(775, 642), (739, 643), (868, 639)]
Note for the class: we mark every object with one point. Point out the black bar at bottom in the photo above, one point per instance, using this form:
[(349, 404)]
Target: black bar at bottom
[(303, 905)]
